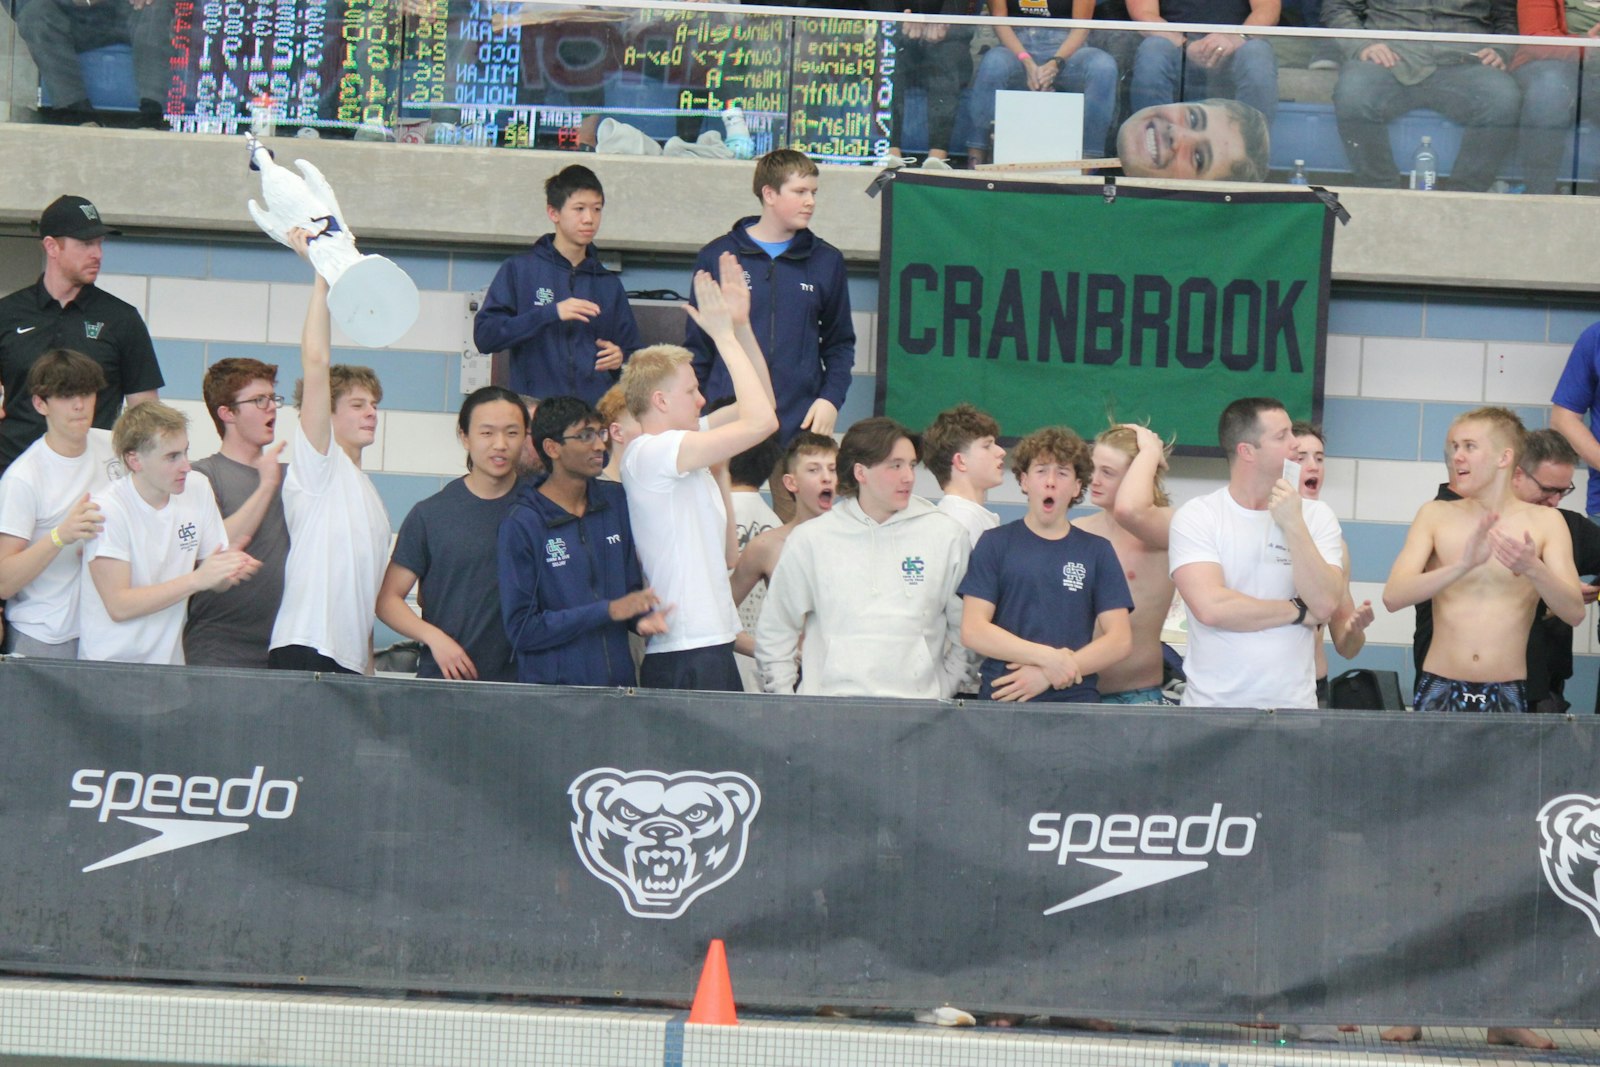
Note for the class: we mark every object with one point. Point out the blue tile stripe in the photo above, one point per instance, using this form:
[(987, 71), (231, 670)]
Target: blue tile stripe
[(672, 1049)]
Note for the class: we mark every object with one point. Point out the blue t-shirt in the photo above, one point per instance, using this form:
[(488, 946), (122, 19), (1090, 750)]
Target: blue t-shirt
[(448, 541), (771, 248), (1046, 591), (1579, 388)]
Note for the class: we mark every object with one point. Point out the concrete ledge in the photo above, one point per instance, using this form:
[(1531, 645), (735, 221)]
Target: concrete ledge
[(493, 198), (126, 1022)]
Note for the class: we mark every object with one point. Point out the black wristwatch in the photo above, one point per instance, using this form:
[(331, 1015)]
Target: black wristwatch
[(1301, 604)]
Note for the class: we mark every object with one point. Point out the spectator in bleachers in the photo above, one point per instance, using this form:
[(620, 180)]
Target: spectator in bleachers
[(570, 584), (65, 309), (937, 58), (1348, 627), (338, 528), (162, 542), (562, 313), (1259, 567), (1044, 59), (1044, 602), (1549, 79), (1135, 516), (1467, 83), (56, 31), (870, 587), (47, 511), (1171, 66), (680, 511), (443, 548), (234, 627), (1215, 140)]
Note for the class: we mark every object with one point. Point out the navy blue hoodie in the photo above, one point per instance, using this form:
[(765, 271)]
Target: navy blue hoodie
[(550, 357), (558, 574), (800, 313)]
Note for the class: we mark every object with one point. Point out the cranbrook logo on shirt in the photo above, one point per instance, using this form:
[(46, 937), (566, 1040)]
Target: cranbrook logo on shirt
[(91, 330), (911, 569), (543, 297), (555, 552), (188, 536), (1072, 576)]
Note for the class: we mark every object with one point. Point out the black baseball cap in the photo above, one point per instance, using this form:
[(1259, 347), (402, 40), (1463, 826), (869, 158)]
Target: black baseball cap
[(73, 216)]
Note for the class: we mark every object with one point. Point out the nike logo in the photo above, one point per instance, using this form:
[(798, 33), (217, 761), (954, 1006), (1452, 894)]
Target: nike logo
[(26, 329), (172, 834), (1131, 875)]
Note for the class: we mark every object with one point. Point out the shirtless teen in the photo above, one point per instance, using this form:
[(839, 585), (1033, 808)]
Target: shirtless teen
[(1486, 560), (1134, 516)]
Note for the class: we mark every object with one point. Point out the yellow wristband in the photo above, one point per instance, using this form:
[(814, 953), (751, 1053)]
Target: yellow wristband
[(55, 538)]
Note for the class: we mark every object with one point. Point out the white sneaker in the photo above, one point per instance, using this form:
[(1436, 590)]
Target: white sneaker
[(935, 163)]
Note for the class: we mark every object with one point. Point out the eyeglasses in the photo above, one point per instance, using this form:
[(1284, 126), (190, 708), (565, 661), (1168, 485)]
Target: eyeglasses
[(260, 403), (588, 436), (1549, 490)]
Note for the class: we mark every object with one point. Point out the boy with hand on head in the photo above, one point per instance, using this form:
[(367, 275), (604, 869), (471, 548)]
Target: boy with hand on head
[(800, 306), (679, 511), (338, 529), (160, 520), (233, 628), (570, 584), (870, 586), (1486, 560), (47, 511), (1135, 516), (442, 545), (562, 314), (960, 451), (1045, 603), (810, 473)]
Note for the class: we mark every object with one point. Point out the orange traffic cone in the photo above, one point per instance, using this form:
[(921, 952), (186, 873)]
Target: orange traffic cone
[(713, 998)]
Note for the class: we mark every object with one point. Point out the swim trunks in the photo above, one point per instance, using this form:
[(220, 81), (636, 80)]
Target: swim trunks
[(1442, 694)]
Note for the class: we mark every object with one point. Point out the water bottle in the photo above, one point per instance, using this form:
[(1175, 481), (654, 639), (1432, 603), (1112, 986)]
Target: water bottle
[(1299, 175), (1424, 166), (737, 137), (263, 119)]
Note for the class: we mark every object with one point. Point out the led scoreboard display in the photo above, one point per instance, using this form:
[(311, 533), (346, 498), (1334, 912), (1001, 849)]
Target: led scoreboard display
[(504, 73)]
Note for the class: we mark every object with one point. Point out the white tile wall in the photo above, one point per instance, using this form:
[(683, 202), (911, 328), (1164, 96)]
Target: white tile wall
[(203, 310), (1522, 374), (866, 324), (1413, 369), (1393, 490), (422, 443), (443, 324), (1389, 628), (203, 439), (134, 288), (1343, 369), (1339, 487)]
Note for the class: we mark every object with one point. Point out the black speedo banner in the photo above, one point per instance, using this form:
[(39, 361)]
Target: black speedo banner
[(1156, 863), (1073, 304)]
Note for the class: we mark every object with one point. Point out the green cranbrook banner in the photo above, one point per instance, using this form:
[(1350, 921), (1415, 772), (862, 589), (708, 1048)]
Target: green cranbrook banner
[(1048, 304)]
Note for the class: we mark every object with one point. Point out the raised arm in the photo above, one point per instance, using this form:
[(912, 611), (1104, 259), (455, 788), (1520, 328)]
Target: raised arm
[(1319, 583), (247, 520), (755, 418), (316, 355), (1136, 509), (736, 295)]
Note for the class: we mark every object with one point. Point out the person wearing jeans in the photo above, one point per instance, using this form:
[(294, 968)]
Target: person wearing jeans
[(1043, 59), (1549, 79), (1171, 66)]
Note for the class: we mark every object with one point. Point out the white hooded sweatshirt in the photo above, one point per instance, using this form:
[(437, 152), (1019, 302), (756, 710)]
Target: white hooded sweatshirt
[(876, 603)]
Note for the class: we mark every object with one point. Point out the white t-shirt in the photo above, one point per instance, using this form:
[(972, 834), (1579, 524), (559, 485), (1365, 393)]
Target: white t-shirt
[(680, 531), (1272, 668), (338, 547), (158, 546), (753, 517), (977, 519), (36, 493)]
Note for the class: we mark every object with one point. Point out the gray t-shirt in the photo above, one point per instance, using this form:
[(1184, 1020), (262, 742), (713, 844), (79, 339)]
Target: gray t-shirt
[(449, 541), (234, 628)]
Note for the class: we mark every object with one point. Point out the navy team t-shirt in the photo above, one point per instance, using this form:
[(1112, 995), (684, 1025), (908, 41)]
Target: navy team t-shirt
[(1045, 591)]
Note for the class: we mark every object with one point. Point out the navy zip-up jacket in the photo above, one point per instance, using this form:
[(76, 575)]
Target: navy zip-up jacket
[(550, 357), (558, 574), (800, 313)]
